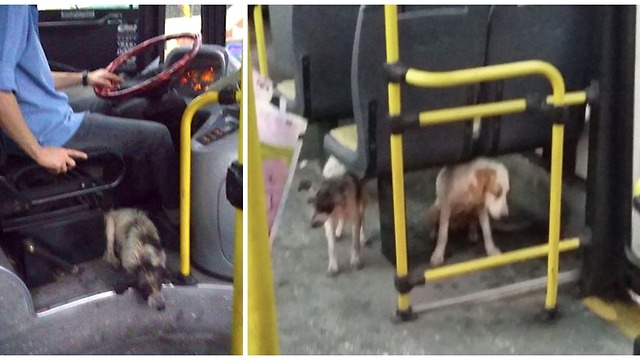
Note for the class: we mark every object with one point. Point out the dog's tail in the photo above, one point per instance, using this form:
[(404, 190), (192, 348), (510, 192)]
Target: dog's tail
[(333, 167)]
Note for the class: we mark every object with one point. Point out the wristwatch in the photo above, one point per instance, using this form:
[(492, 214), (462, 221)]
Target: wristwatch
[(85, 78)]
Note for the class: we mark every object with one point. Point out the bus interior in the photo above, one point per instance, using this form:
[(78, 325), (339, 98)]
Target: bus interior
[(328, 62)]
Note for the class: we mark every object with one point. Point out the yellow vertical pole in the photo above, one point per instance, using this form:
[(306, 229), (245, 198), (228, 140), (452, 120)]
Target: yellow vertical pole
[(555, 198), (185, 177), (262, 329), (397, 162), (238, 295), (261, 44)]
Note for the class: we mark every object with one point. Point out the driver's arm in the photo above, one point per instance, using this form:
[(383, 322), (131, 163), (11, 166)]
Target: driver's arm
[(100, 78), (55, 159), (14, 22), (12, 122), (63, 80)]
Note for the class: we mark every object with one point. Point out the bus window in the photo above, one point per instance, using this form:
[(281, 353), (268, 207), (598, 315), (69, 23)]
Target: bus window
[(235, 30), (180, 19), (99, 32)]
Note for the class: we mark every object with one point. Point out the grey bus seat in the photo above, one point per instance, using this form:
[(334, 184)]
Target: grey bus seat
[(280, 57), (322, 47), (450, 38), (281, 60), (559, 35)]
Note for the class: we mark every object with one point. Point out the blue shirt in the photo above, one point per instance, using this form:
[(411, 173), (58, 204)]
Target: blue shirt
[(25, 71)]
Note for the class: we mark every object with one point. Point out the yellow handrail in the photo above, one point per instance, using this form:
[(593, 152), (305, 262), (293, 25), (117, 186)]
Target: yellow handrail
[(397, 161), (261, 44), (510, 257), (555, 197), (185, 174), (505, 107), (185, 213), (185, 177), (262, 328), (238, 283), (489, 73)]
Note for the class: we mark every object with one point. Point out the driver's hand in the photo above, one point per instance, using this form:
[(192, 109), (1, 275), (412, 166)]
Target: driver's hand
[(58, 160), (103, 78)]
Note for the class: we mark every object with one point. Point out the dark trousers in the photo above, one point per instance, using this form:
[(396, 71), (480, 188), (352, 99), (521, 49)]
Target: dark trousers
[(146, 146)]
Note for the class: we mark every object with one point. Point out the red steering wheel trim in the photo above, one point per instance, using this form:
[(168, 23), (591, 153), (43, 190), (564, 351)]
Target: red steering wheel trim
[(114, 93)]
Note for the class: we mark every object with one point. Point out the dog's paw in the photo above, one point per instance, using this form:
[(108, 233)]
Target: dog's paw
[(112, 260), (365, 242), (363, 239), (333, 270), (493, 251), (356, 263), (437, 259)]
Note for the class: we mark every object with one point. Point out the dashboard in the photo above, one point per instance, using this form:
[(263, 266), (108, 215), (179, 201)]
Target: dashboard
[(199, 75), (198, 80), (210, 64)]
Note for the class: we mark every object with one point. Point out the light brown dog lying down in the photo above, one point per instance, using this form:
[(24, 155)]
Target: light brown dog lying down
[(464, 193)]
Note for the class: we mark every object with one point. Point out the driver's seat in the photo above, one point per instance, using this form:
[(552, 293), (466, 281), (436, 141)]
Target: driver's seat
[(54, 221)]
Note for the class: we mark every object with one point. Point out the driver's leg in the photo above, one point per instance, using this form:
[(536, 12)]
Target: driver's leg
[(139, 142), (92, 104)]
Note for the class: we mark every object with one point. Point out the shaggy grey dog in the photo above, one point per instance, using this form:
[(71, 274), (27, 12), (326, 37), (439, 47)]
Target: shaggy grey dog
[(133, 243)]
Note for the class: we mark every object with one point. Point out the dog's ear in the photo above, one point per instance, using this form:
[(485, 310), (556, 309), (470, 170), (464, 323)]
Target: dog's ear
[(150, 256), (340, 196), (496, 189), (162, 256), (167, 275), (305, 185), (124, 283), (337, 188), (487, 182)]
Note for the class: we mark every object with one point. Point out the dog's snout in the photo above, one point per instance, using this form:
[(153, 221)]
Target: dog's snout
[(318, 219), (156, 301)]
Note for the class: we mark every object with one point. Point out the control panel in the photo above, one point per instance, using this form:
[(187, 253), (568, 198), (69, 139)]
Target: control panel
[(217, 128)]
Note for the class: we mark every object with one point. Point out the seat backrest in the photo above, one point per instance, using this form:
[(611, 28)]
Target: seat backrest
[(322, 47), (560, 35), (435, 38), (281, 59)]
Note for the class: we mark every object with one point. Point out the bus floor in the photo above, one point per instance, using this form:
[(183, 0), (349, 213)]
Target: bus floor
[(78, 314), (97, 276), (352, 313)]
